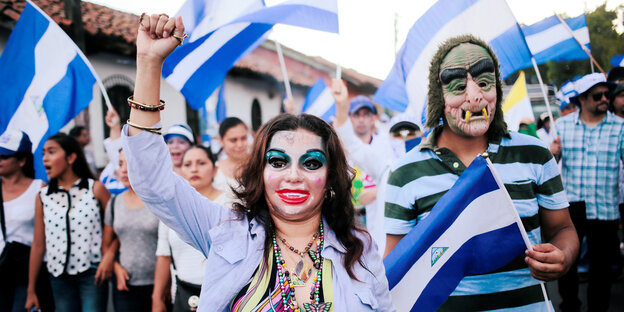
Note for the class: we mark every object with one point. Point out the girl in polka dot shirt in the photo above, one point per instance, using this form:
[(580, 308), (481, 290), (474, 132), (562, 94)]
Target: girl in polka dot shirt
[(68, 229)]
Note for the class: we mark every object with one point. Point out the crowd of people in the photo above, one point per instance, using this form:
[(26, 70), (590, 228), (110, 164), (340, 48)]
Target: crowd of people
[(299, 216)]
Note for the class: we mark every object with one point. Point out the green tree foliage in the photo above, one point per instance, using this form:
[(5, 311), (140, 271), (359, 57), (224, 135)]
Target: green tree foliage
[(605, 42)]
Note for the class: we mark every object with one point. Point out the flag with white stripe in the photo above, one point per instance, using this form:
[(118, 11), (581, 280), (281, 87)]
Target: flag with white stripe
[(203, 16), (45, 80), (549, 40), (617, 60), (465, 234), (197, 68), (491, 20), (517, 105), (320, 102), (566, 92)]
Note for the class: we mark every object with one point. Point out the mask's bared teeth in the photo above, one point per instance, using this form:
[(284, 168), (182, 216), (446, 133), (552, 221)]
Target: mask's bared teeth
[(468, 115), (487, 118)]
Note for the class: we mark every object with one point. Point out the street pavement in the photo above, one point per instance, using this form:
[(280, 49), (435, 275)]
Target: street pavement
[(617, 295)]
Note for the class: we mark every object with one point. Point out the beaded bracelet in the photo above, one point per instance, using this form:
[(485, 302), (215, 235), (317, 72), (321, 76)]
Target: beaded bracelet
[(143, 107), (155, 130)]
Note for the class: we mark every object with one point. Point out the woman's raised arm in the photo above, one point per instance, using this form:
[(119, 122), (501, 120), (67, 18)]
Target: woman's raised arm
[(150, 170), (157, 37)]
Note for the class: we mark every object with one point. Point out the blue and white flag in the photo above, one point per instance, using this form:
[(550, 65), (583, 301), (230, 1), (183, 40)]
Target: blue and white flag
[(566, 92), (45, 80), (549, 40), (220, 110), (491, 20), (473, 229), (197, 68), (203, 16), (617, 60), (320, 102)]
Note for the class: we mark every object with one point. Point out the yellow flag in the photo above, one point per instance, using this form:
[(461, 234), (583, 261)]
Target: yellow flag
[(517, 104)]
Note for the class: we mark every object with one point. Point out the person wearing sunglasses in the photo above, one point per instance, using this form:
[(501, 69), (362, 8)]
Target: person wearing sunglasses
[(591, 147)]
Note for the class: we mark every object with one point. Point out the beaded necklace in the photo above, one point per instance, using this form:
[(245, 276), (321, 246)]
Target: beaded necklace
[(295, 250), (302, 270), (289, 301)]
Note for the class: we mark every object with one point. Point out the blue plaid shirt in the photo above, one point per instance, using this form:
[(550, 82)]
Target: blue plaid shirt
[(590, 159)]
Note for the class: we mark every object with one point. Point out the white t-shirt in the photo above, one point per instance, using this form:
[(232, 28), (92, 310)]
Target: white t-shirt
[(189, 262), (19, 216), (223, 183)]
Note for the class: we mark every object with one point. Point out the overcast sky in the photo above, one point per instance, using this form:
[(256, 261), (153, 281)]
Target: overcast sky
[(366, 40)]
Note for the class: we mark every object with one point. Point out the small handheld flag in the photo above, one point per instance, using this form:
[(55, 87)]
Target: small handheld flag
[(320, 102), (465, 234), (517, 105)]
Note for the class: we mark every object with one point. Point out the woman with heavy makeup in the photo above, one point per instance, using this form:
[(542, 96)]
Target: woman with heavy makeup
[(290, 243)]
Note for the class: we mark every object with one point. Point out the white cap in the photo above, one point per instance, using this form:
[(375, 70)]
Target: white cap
[(180, 130), (587, 82)]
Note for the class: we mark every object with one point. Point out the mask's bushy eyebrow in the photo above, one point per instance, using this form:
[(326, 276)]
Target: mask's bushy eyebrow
[(451, 74), (480, 67)]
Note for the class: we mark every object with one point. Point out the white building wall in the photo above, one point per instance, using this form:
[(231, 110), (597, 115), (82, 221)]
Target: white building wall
[(106, 65)]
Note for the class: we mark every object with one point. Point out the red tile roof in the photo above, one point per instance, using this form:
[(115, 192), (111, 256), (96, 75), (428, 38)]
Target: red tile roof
[(303, 69), (96, 19)]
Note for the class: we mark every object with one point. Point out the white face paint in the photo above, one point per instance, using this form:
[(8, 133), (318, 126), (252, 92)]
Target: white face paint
[(295, 174)]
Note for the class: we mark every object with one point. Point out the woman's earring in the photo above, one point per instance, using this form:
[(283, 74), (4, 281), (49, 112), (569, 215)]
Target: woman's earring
[(330, 194)]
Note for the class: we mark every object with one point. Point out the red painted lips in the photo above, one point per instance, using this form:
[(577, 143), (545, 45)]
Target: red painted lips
[(293, 197)]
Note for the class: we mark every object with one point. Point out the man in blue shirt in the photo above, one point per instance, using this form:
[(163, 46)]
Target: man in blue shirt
[(591, 148)]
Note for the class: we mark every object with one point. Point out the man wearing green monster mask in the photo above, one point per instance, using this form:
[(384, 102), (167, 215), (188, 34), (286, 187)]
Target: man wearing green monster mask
[(464, 111)]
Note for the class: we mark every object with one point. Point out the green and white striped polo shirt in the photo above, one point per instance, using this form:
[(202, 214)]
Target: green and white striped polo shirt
[(532, 178)]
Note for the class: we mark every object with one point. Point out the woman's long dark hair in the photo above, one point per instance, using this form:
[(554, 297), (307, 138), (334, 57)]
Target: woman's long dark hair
[(71, 146), (337, 206)]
